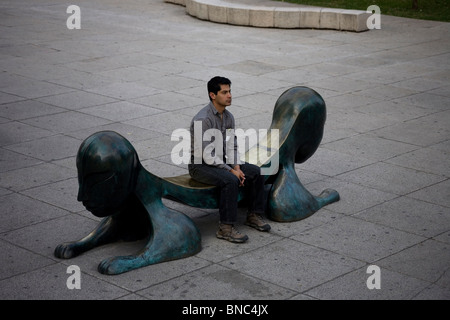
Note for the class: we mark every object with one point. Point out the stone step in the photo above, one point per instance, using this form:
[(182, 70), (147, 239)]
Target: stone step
[(271, 14)]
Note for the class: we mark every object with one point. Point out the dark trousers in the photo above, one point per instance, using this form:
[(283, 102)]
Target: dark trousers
[(229, 188)]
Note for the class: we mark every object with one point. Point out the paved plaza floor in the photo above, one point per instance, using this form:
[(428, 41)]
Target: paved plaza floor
[(140, 68)]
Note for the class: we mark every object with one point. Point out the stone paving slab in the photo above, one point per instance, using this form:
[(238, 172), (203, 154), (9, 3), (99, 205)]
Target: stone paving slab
[(140, 68)]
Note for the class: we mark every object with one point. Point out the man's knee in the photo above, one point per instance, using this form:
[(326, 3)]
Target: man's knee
[(251, 171), (231, 181)]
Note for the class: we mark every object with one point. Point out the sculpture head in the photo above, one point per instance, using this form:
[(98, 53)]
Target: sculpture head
[(107, 167), (300, 115)]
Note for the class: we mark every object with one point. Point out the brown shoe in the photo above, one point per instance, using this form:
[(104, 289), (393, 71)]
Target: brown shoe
[(256, 221), (229, 233)]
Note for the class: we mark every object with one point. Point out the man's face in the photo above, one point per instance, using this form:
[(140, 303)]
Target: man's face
[(223, 97)]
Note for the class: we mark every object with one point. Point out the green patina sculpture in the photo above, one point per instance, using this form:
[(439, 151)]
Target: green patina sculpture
[(114, 185), (300, 115)]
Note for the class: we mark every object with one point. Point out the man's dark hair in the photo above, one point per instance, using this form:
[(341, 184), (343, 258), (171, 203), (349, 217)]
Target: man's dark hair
[(215, 83)]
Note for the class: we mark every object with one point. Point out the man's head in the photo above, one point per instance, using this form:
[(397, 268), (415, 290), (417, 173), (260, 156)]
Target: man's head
[(107, 168), (219, 91)]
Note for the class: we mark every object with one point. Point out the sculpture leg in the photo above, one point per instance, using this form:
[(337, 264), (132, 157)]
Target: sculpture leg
[(289, 200), (174, 236), (130, 224), (104, 233), (327, 196)]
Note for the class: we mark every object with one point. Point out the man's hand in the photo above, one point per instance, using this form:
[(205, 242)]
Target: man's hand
[(239, 174)]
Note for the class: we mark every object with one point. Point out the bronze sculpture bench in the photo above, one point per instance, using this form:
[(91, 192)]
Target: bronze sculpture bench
[(114, 185)]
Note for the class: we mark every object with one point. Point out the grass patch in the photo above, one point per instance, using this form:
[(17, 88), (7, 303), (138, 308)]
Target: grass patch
[(438, 10)]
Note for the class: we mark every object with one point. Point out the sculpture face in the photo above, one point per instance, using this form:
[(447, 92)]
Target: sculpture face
[(107, 165)]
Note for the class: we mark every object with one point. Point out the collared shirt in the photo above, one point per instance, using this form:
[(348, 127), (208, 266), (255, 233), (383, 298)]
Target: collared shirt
[(216, 147)]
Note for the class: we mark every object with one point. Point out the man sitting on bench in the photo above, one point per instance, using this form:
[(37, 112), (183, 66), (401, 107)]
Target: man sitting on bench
[(220, 166)]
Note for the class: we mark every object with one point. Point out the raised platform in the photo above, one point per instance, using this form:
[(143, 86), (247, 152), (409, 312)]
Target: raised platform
[(271, 14)]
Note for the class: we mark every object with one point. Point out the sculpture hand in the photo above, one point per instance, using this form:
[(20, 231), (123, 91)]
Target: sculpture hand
[(121, 264), (67, 250)]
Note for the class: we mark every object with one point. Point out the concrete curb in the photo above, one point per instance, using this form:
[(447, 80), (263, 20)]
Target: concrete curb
[(223, 11)]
